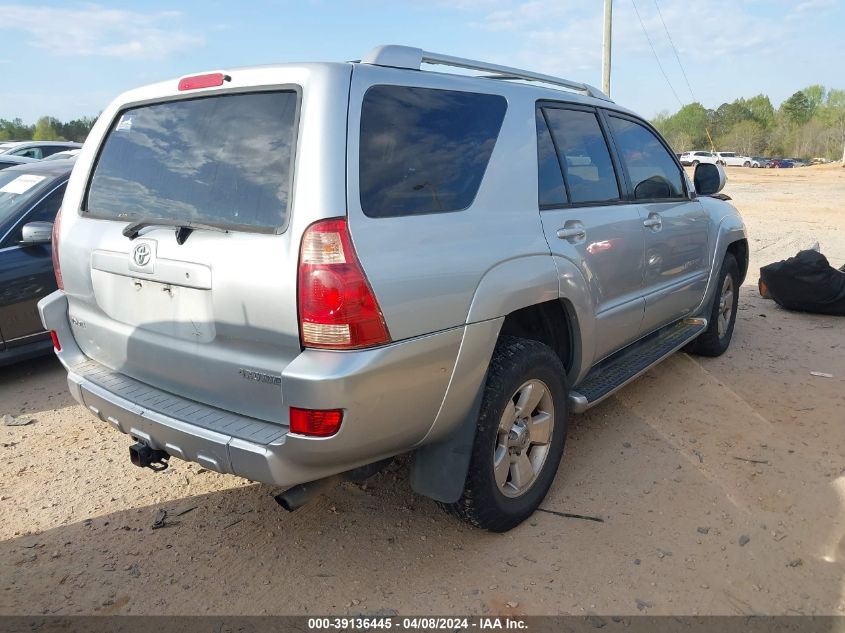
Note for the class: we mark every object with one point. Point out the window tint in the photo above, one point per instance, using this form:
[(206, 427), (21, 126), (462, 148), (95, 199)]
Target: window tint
[(424, 150), (584, 155), (52, 149), (651, 168), (224, 160), (551, 190)]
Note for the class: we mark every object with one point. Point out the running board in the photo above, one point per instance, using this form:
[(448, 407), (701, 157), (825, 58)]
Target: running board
[(629, 363)]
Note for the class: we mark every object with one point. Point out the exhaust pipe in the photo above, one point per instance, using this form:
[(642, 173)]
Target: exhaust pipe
[(294, 498)]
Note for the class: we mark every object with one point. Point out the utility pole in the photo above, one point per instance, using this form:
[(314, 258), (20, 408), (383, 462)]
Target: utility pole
[(606, 45)]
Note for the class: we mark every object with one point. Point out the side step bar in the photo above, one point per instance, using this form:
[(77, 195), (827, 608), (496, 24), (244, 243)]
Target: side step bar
[(618, 370)]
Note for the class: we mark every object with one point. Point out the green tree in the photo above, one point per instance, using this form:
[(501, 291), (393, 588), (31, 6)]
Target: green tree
[(797, 109), (746, 137), (45, 130)]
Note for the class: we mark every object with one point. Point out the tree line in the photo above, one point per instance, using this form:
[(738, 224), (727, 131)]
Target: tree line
[(809, 124), (47, 128)]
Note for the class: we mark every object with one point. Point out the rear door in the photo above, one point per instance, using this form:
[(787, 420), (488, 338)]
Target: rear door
[(586, 219), (211, 314), (677, 227)]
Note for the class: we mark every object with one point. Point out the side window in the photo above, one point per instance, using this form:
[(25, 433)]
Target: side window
[(583, 153), (44, 211), (550, 188), (653, 173), (424, 150), (50, 150), (32, 152)]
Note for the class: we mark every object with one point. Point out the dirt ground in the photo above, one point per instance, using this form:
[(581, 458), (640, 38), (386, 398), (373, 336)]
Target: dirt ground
[(720, 484)]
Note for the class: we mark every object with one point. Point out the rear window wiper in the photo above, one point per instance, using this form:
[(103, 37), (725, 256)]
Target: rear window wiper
[(183, 228)]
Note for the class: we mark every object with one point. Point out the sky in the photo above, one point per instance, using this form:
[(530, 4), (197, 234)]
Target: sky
[(69, 59)]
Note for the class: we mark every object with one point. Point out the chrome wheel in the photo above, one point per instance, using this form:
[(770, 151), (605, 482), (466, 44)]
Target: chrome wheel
[(523, 437), (726, 305)]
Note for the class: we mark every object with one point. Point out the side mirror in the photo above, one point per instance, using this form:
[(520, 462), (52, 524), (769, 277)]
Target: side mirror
[(709, 179), (36, 233)]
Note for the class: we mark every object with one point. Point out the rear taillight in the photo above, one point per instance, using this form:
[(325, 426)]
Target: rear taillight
[(55, 338), (337, 307), (57, 270), (319, 423)]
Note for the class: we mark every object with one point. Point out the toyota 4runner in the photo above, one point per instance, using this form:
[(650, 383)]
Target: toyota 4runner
[(296, 271)]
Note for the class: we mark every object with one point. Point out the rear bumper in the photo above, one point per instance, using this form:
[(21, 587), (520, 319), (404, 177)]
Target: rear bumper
[(391, 397)]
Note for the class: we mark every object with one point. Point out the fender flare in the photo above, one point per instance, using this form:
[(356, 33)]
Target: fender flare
[(441, 462), (730, 229)]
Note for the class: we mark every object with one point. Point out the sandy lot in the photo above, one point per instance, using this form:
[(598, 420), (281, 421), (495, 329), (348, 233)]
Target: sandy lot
[(691, 525)]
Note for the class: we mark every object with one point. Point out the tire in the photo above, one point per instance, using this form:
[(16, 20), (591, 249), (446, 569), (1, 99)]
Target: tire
[(716, 339), (746, 164), (487, 502), (695, 163)]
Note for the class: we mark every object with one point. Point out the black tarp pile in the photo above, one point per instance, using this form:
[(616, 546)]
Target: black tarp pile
[(806, 282)]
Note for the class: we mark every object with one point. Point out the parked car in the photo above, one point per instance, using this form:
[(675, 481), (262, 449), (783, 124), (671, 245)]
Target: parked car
[(699, 156), (797, 162), (14, 161), (404, 281), (780, 163), (71, 153), (30, 196), (758, 161), (37, 149), (732, 159)]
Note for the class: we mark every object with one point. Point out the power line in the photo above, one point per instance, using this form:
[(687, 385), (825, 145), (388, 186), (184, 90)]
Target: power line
[(675, 50), (657, 59)]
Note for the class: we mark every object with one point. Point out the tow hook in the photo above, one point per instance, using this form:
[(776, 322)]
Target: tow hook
[(145, 457)]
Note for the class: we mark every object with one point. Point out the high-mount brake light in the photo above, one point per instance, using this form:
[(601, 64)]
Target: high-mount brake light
[(337, 306), (209, 80)]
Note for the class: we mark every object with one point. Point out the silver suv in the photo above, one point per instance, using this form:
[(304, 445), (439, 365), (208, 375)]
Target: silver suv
[(297, 271)]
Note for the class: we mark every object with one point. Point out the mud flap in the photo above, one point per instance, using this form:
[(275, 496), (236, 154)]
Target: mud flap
[(440, 470)]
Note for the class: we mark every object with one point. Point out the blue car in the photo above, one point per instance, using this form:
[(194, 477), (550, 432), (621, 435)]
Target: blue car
[(30, 197)]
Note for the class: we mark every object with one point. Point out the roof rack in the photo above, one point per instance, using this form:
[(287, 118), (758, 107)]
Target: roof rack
[(413, 58)]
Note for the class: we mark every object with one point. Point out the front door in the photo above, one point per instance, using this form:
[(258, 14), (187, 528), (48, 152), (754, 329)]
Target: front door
[(26, 275), (587, 222), (676, 226)]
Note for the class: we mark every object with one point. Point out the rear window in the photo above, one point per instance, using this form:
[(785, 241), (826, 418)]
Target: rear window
[(425, 150), (224, 160)]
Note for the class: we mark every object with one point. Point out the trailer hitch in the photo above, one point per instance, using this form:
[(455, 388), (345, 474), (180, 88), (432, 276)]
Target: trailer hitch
[(144, 456)]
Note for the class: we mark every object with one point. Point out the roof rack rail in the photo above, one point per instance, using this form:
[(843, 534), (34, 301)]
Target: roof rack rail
[(413, 58)]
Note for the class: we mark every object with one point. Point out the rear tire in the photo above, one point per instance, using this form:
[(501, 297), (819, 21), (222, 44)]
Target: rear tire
[(746, 164), (520, 434), (695, 163), (716, 339)]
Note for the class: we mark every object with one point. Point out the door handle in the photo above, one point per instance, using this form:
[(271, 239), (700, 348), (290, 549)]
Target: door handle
[(653, 222), (571, 233)]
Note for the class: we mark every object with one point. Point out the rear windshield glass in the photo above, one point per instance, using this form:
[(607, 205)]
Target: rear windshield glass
[(223, 160), (425, 150)]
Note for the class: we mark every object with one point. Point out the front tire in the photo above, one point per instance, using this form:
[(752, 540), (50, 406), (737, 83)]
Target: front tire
[(520, 435), (716, 339)]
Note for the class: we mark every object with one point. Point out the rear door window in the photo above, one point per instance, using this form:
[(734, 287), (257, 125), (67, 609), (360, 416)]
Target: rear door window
[(653, 172), (583, 152), (424, 150), (225, 160), (551, 189)]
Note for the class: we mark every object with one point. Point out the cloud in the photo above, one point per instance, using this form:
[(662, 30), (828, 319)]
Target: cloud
[(564, 37), (94, 30)]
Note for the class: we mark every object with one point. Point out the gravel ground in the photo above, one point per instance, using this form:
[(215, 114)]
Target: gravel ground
[(720, 485)]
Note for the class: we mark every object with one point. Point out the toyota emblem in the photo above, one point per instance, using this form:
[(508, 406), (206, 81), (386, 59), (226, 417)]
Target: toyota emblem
[(141, 255)]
